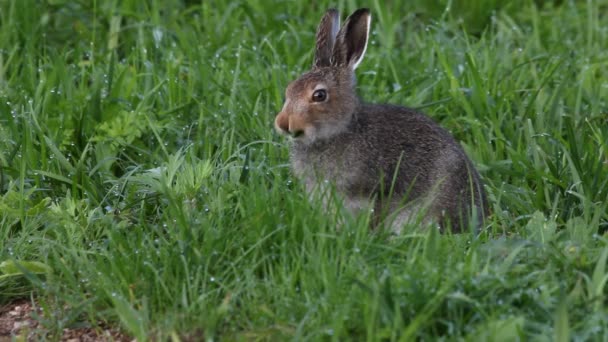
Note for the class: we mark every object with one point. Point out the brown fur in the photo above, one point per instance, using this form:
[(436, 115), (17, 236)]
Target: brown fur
[(366, 150)]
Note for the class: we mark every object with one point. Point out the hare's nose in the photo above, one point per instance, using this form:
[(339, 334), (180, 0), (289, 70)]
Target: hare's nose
[(282, 123)]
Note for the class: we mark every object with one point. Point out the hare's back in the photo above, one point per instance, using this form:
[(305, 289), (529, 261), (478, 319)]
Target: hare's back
[(401, 137), (395, 130)]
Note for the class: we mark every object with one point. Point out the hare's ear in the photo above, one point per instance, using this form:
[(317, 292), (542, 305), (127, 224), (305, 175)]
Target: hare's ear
[(326, 37), (352, 39)]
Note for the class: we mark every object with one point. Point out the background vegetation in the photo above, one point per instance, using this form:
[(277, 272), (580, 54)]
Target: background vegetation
[(142, 185)]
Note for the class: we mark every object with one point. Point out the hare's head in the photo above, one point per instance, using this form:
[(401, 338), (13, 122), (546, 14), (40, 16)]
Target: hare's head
[(321, 103)]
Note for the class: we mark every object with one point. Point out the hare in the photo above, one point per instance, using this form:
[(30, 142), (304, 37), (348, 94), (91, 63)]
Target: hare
[(386, 158)]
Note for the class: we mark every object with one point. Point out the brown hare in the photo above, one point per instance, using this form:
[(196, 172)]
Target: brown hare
[(386, 158)]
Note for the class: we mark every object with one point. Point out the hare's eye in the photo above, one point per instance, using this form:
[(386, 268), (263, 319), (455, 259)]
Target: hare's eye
[(319, 95)]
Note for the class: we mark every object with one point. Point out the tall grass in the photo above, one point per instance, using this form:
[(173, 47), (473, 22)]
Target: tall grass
[(142, 185)]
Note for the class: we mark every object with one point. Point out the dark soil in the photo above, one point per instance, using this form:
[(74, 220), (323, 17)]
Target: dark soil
[(16, 322)]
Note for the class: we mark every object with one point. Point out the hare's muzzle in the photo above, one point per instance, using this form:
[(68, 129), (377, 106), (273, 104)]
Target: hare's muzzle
[(281, 123), (283, 126)]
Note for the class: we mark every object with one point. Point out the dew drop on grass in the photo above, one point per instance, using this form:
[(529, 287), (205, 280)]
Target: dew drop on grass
[(157, 33)]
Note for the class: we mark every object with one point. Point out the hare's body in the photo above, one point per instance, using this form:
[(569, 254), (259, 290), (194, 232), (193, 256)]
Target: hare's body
[(422, 164), (388, 158)]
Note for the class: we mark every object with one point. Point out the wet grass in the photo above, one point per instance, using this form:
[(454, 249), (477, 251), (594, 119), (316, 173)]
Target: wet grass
[(141, 183)]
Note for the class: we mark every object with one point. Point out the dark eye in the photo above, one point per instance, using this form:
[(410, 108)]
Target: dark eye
[(319, 95)]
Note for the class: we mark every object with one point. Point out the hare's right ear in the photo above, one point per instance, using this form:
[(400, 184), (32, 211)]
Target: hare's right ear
[(351, 42), (326, 37)]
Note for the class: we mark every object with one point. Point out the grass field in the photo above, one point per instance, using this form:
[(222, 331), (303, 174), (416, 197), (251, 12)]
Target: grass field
[(142, 185)]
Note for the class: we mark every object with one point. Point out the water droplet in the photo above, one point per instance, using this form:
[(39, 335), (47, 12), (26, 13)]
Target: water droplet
[(157, 33)]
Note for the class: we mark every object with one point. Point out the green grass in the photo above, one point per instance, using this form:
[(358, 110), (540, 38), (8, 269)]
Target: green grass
[(142, 184)]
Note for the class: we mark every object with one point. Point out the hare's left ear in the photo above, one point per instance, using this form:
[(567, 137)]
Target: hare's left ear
[(326, 37), (351, 42)]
